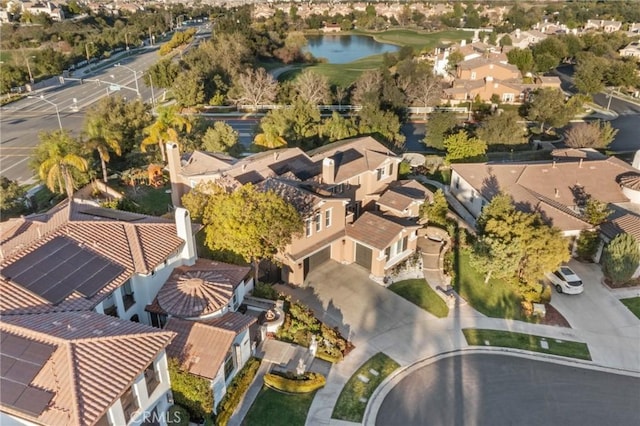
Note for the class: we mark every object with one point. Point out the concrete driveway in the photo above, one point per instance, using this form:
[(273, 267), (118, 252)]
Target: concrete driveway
[(598, 317), (370, 315)]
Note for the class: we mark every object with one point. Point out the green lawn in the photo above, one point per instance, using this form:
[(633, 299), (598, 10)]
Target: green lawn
[(152, 201), (506, 339), (273, 408), (495, 299), (349, 407), (338, 74), (633, 304), (415, 39), (418, 292)]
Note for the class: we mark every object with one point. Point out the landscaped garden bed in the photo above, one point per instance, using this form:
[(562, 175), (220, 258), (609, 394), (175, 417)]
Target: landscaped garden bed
[(293, 383), (353, 399), (236, 390), (633, 304), (300, 325), (507, 339)]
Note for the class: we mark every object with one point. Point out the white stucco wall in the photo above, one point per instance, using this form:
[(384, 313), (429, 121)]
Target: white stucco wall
[(467, 195)]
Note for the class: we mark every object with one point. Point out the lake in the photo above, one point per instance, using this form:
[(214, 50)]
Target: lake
[(341, 49)]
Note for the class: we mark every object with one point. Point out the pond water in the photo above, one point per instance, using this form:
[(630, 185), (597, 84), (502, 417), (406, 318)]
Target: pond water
[(341, 49)]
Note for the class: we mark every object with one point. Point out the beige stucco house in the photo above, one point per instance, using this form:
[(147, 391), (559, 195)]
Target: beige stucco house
[(332, 187)]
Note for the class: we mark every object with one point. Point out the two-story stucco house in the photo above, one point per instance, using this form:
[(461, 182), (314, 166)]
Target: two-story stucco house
[(331, 186)]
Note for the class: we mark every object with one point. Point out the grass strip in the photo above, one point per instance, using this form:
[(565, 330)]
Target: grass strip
[(354, 396), (529, 342), (418, 292)]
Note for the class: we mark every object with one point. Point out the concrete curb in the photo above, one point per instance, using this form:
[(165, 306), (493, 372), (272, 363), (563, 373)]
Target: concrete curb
[(371, 412)]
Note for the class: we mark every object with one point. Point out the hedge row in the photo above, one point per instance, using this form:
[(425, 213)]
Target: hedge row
[(236, 391), (326, 357), (307, 383)]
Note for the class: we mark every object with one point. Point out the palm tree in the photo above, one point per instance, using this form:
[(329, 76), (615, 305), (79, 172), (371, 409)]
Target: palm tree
[(103, 140), (165, 128), (56, 157)]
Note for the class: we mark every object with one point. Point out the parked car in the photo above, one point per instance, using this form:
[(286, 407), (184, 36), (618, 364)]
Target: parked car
[(566, 281)]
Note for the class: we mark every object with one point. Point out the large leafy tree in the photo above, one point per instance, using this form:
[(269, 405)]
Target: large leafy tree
[(167, 127), (436, 211), (338, 127), (521, 58), (189, 89), (295, 126), (620, 258), (439, 126), (548, 107), (516, 245), (502, 129), (56, 158), (385, 124), (460, 148), (252, 223), (103, 139), (221, 138), (11, 197)]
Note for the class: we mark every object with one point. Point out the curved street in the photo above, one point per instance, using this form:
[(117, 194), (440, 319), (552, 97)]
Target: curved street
[(486, 389)]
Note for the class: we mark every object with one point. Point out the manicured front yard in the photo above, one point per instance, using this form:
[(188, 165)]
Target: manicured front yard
[(273, 408), (495, 299), (354, 396), (507, 339), (633, 304), (418, 292)]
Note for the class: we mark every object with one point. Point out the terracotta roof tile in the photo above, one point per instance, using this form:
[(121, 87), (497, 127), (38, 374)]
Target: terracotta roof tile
[(378, 231), (138, 246), (232, 321), (201, 348), (96, 359), (627, 222), (200, 289)]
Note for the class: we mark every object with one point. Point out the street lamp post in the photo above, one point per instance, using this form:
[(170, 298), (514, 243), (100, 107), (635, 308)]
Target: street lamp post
[(135, 75), (153, 97), (29, 69), (42, 98), (126, 40)]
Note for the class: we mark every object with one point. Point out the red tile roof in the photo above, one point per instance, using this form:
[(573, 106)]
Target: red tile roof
[(401, 194), (138, 244), (201, 348), (201, 289), (96, 359)]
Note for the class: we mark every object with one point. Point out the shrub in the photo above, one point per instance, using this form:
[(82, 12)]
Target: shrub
[(620, 258), (329, 358), (291, 383), (404, 169), (189, 391), (178, 416), (236, 390), (587, 245), (265, 291)]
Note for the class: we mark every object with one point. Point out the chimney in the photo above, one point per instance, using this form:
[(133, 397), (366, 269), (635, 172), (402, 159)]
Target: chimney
[(554, 164), (185, 231), (275, 156), (174, 164), (463, 43), (557, 193), (580, 164), (328, 170), (518, 33)]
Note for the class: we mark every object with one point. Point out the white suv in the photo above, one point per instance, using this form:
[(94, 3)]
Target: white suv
[(566, 281)]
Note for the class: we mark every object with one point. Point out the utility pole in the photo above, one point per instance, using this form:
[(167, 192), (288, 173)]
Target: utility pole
[(150, 39)]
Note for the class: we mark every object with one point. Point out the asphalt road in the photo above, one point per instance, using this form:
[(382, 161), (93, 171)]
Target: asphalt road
[(496, 390)]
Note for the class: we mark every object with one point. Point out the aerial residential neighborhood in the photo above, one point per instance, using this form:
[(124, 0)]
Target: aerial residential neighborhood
[(319, 213)]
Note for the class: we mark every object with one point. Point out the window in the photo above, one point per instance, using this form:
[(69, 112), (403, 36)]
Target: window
[(318, 220), (327, 218), (391, 169), (151, 378), (158, 320), (109, 306), (507, 97), (129, 404), (307, 226), (473, 75), (380, 173), (229, 366), (456, 183), (473, 196), (338, 189), (127, 295)]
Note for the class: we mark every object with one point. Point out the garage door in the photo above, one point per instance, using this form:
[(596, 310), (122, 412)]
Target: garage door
[(317, 259), (363, 256)]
